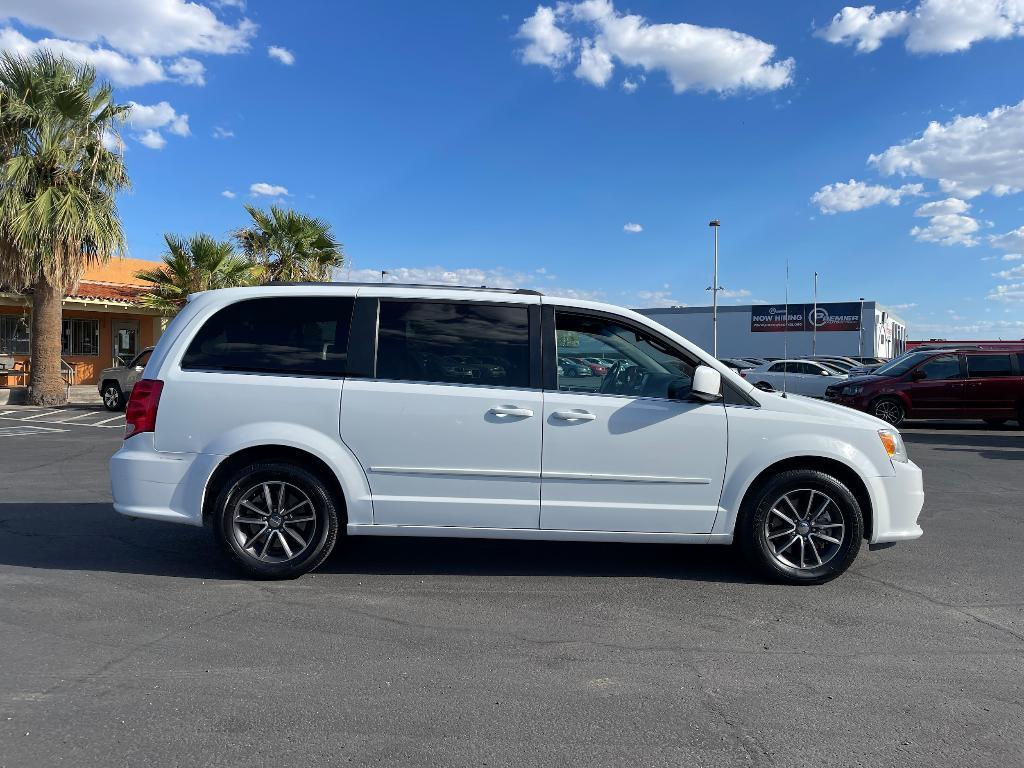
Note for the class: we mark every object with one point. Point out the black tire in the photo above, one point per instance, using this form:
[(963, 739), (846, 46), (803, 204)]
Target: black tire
[(995, 422), (113, 397), (889, 409), (275, 562), (752, 532)]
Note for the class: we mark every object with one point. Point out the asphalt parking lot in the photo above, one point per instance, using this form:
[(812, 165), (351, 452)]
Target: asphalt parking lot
[(127, 643)]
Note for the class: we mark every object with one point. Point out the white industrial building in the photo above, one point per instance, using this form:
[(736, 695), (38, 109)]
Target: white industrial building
[(854, 328)]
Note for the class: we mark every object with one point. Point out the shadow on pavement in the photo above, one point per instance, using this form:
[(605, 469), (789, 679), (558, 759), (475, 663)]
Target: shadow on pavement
[(92, 537)]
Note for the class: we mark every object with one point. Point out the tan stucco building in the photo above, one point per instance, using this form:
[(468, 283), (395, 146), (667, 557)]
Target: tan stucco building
[(103, 322)]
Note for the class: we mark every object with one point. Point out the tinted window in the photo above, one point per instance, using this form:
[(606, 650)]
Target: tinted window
[(985, 366), (454, 343), (777, 368), (946, 367), (623, 360), (301, 335), (900, 365), (142, 359)]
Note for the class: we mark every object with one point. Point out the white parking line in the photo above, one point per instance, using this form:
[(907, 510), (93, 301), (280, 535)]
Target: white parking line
[(28, 429), (100, 425), (105, 421), (42, 413)]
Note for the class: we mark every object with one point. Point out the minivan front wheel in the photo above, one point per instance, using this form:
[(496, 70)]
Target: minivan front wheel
[(889, 409), (801, 527), (276, 520)]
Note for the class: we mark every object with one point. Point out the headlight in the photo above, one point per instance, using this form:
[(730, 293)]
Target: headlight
[(853, 389), (892, 441)]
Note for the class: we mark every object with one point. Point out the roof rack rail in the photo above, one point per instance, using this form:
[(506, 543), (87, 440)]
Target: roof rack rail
[(371, 284)]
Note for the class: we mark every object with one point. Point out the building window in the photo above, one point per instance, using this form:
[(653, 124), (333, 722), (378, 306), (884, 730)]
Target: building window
[(80, 337), (14, 335)]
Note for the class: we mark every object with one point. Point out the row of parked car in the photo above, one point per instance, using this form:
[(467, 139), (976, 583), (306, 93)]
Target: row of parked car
[(978, 382)]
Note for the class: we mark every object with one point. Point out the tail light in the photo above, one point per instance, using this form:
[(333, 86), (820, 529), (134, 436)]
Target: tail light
[(140, 414)]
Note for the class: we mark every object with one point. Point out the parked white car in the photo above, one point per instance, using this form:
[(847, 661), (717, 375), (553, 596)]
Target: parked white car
[(286, 416), (802, 377), (115, 384)]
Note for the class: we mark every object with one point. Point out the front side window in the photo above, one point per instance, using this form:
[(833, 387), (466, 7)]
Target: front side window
[(609, 358), (941, 368), (305, 335), (450, 342), (988, 366)]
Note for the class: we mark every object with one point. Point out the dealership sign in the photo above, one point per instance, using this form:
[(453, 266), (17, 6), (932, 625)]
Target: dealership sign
[(768, 318)]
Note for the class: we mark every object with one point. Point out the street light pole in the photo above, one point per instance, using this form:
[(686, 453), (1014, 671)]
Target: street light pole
[(814, 316), (715, 288), (860, 343)]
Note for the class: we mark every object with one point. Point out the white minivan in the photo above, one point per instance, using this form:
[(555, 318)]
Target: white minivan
[(286, 415)]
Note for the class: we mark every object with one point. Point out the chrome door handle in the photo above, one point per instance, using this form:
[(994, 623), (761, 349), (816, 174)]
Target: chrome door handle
[(509, 410), (573, 415)]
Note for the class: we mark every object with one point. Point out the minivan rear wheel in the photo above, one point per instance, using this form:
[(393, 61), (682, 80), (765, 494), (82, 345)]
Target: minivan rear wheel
[(802, 526), (276, 520), (889, 409)]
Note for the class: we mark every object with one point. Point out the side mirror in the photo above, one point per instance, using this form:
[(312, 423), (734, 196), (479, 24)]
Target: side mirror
[(707, 384), (918, 375)]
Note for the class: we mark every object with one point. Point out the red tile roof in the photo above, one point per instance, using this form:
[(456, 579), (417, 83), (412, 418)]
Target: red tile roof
[(88, 289)]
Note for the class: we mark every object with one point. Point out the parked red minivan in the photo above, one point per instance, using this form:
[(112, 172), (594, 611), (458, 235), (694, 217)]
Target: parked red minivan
[(986, 384)]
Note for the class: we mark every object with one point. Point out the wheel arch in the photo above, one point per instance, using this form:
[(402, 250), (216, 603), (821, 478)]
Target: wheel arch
[(842, 472), (274, 452)]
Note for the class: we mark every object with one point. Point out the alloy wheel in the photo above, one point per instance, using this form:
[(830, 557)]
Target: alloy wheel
[(805, 529), (889, 411), (274, 522), (111, 397)]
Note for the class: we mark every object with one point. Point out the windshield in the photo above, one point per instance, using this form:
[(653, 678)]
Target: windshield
[(902, 364)]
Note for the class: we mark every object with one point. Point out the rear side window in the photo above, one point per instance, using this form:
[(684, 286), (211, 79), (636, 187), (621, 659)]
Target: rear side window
[(987, 366), (454, 343), (289, 335)]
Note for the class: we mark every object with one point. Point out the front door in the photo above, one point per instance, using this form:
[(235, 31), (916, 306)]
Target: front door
[(126, 341), (938, 388), (625, 451), (448, 430)]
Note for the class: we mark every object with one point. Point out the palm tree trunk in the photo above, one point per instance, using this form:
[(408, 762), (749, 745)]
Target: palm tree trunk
[(47, 385)]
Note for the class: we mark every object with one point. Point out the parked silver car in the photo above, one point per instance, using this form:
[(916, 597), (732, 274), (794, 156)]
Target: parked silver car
[(116, 384)]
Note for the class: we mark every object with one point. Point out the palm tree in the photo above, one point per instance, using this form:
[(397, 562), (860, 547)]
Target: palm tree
[(200, 263), (58, 181), (289, 246)]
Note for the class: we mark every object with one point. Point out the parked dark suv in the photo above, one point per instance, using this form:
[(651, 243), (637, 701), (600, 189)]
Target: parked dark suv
[(940, 384)]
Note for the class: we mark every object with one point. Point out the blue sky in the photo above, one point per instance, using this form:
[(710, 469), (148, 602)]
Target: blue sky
[(512, 143)]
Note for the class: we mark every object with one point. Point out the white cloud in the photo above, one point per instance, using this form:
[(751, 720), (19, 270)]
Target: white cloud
[(908, 305), (739, 293), (941, 207), (119, 69), (1012, 256), (152, 139), (546, 44), (1010, 241), (222, 133), (148, 120), (632, 227), (1013, 273), (630, 86), (283, 55), (126, 41), (1010, 293), (948, 229), (852, 195), (189, 71), (933, 26), (968, 155), (694, 57), (864, 27), (228, 194), (659, 298), (151, 28), (267, 190)]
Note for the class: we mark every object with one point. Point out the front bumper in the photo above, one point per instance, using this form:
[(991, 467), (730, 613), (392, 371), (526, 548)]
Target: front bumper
[(159, 486), (897, 501)]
